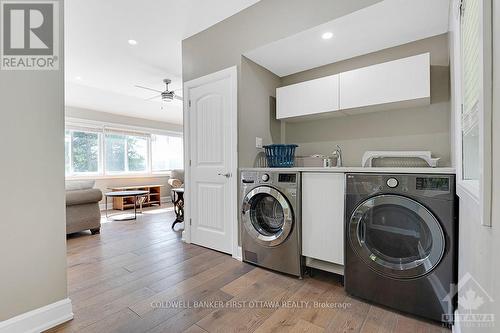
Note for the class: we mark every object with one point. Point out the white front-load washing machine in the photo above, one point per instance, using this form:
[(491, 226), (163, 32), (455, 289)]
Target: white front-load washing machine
[(270, 220)]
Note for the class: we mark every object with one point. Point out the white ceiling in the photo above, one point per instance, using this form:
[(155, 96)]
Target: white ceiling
[(102, 68), (385, 24)]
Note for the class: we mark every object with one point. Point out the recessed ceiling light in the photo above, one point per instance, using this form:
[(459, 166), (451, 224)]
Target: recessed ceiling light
[(78, 78), (327, 35), (132, 42)]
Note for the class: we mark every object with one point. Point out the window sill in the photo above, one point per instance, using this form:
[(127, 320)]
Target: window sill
[(468, 189), (147, 175)]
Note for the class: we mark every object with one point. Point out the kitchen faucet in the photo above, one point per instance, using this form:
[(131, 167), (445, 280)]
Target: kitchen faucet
[(338, 154)]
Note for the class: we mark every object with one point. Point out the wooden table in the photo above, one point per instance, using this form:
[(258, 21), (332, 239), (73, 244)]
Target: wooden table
[(178, 205), (153, 197), (125, 194)]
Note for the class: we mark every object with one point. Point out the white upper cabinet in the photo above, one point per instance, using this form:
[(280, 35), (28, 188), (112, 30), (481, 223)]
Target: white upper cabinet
[(308, 98), (399, 83), (406, 79)]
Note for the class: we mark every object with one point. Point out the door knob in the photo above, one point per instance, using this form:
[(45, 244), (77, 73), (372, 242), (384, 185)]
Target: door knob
[(227, 175)]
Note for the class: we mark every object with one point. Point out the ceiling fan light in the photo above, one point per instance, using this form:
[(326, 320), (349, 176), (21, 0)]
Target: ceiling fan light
[(167, 96)]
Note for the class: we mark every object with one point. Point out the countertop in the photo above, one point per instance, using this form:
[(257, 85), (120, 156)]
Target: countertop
[(359, 170)]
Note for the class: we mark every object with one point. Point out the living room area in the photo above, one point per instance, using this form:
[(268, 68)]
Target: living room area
[(123, 122), (117, 172), (123, 163)]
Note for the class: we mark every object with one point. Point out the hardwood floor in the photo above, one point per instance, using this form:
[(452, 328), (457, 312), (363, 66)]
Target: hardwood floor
[(138, 276)]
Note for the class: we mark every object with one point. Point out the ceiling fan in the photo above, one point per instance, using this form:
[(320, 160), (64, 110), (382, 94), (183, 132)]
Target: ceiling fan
[(166, 96)]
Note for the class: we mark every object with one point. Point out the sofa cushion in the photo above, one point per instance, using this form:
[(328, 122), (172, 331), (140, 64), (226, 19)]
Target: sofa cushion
[(80, 197), (177, 174), (175, 183), (74, 185)]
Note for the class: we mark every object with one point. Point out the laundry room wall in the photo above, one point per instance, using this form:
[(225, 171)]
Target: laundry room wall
[(222, 45), (258, 86), (420, 128)]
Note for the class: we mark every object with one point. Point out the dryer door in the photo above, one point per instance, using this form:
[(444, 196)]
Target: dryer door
[(396, 236), (267, 216)]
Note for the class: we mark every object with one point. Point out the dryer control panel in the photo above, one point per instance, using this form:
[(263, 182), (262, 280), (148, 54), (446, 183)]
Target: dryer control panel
[(433, 183)]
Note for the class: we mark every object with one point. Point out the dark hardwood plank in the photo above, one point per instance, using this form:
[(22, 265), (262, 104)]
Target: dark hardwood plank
[(117, 279)]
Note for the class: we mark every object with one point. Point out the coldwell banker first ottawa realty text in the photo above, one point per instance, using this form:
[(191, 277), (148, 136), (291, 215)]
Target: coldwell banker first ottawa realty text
[(29, 35)]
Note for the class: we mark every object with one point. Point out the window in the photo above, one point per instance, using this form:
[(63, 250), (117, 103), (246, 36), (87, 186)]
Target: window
[(82, 152), (103, 151), (167, 152), (126, 153), (472, 58), (471, 85)]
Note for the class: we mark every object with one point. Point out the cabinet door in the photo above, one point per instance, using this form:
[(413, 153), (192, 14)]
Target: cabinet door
[(308, 98), (323, 216), (394, 81)]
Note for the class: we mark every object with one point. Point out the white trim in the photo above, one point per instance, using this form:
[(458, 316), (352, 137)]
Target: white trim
[(165, 199), (101, 128), (469, 189), (72, 121), (477, 191), (122, 176), (456, 325), (239, 254), (232, 72), (485, 118), (40, 319), (325, 266)]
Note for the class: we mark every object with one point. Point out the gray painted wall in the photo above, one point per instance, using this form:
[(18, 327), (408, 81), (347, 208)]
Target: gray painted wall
[(422, 128), (222, 46), (258, 85), (33, 228)]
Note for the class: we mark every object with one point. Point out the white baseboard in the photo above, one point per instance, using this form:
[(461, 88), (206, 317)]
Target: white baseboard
[(102, 206), (239, 254), (40, 319), (325, 266), (456, 325)]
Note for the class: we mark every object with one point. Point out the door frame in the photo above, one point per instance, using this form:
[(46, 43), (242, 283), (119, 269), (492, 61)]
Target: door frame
[(232, 74)]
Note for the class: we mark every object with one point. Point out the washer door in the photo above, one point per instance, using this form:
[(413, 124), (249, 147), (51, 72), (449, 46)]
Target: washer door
[(267, 216), (396, 236)]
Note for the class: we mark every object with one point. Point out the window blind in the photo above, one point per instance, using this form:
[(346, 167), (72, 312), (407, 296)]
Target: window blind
[(83, 128), (125, 132), (471, 34)]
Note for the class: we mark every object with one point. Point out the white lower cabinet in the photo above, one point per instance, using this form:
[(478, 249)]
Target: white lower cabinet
[(323, 216)]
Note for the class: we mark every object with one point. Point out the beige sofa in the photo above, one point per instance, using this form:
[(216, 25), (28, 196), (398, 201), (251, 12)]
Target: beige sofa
[(82, 207)]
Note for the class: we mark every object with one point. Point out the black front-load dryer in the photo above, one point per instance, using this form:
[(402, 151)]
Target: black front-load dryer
[(401, 242)]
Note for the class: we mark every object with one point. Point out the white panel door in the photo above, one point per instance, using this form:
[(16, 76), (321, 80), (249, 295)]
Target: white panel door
[(212, 155), (308, 98), (394, 81), (323, 216)]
